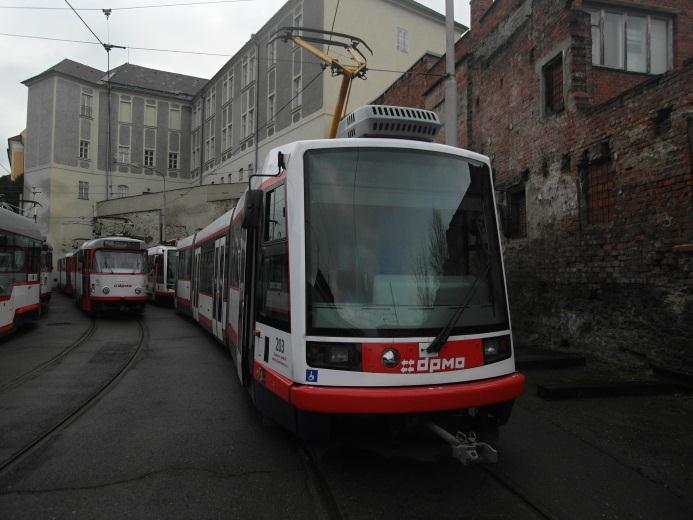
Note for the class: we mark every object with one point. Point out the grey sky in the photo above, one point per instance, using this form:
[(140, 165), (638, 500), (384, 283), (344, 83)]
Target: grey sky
[(217, 28)]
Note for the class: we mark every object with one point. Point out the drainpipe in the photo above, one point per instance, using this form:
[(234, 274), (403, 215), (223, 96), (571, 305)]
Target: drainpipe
[(257, 98)]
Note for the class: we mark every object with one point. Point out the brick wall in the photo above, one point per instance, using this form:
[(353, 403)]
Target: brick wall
[(607, 288)]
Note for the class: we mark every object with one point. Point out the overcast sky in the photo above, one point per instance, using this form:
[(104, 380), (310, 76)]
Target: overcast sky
[(218, 28)]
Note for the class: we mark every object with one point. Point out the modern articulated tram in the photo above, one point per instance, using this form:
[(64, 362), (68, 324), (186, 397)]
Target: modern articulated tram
[(361, 275)]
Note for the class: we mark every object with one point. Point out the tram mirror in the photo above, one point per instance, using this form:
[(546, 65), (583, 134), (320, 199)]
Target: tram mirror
[(253, 209)]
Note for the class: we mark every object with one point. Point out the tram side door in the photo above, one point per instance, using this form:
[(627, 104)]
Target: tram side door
[(246, 318), (218, 288), (84, 265), (194, 296)]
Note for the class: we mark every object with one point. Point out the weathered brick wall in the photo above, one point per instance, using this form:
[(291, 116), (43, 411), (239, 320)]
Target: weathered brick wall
[(408, 90), (626, 284), (607, 84)]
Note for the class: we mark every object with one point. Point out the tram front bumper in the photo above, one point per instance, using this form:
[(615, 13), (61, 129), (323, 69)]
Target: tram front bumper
[(410, 399)]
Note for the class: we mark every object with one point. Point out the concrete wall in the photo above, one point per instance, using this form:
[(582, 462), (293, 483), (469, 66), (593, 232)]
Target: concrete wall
[(39, 143), (186, 211), (67, 100)]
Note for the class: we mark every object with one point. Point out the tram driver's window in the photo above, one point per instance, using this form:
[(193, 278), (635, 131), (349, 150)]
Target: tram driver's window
[(275, 214)]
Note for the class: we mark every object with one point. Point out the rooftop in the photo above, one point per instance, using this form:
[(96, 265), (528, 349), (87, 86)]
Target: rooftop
[(129, 76)]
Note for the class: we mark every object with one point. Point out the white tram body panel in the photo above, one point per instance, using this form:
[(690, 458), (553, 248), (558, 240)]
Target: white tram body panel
[(20, 258)]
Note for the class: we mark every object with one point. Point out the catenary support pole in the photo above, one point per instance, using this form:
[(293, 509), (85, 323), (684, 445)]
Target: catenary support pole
[(450, 82)]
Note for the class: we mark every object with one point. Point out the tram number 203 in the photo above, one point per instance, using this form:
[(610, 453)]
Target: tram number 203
[(279, 345)]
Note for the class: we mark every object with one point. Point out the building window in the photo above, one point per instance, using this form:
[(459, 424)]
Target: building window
[(211, 103), (251, 66), (122, 191), (240, 174), (197, 114), (174, 117), (230, 87), (402, 40), (296, 85), (83, 190), (195, 152), (173, 160), (85, 108), (124, 155), (553, 85), (149, 157), (271, 99), (248, 114), (517, 227), (298, 17), (150, 113), (271, 53), (209, 141), (83, 149), (600, 192), (227, 127), (125, 111), (632, 41)]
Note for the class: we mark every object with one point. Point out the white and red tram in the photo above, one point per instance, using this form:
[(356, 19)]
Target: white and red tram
[(66, 273), (161, 281), (20, 266), (361, 276), (111, 274)]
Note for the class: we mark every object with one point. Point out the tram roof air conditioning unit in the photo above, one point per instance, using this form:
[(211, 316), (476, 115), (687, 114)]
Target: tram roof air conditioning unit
[(390, 122)]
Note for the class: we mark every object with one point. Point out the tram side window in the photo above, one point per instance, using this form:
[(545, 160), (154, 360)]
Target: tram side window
[(7, 263), (207, 267), (274, 268), (159, 267), (183, 267), (234, 255), (274, 286), (275, 214)]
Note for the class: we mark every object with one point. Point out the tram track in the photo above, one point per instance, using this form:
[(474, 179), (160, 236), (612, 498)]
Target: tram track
[(88, 333), (80, 409), (507, 484), (329, 508)]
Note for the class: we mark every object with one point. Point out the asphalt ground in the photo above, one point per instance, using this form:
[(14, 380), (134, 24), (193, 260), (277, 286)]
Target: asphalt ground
[(175, 436)]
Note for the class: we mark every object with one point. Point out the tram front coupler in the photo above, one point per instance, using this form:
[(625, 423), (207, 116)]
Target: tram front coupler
[(465, 447)]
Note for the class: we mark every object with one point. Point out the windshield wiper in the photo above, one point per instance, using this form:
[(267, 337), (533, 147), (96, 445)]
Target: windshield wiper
[(437, 344)]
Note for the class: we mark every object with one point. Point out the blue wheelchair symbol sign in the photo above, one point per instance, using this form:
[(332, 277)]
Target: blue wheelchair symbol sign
[(311, 376)]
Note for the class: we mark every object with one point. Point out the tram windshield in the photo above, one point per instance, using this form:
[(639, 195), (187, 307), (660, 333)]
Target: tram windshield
[(119, 261), (397, 240)]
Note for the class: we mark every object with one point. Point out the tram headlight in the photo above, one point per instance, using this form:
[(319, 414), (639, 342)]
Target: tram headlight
[(105, 290), (390, 358), (138, 290), (337, 356), (496, 349)]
